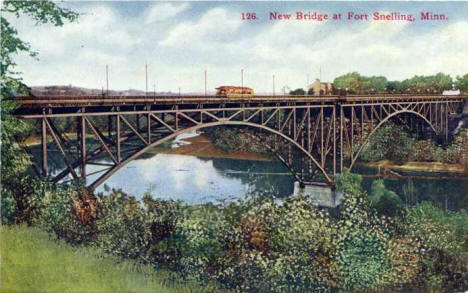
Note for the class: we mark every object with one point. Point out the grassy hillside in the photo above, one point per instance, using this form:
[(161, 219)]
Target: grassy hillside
[(33, 262)]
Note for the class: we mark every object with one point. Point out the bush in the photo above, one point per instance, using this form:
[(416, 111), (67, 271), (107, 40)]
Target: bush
[(443, 238), (266, 245), (386, 202), (69, 212), (135, 230)]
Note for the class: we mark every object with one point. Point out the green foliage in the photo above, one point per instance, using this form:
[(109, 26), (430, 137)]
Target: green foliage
[(130, 230), (68, 212), (14, 161), (411, 149), (262, 245), (231, 139), (8, 207), (388, 134), (462, 83), (443, 238), (428, 84), (358, 84), (385, 201), (349, 183), (298, 92)]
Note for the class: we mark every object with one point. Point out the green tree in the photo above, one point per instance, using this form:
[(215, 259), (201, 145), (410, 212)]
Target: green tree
[(462, 83), (395, 87), (14, 161), (428, 84), (298, 92), (349, 81), (358, 84)]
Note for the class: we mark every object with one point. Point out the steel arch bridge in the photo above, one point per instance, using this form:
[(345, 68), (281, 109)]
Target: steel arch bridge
[(316, 137)]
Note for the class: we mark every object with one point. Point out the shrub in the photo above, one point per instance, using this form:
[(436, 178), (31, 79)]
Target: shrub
[(69, 212), (443, 238), (135, 230), (386, 202)]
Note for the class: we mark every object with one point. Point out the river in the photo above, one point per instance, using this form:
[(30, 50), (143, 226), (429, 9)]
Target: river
[(192, 170)]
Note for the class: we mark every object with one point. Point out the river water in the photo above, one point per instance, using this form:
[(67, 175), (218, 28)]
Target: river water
[(208, 175)]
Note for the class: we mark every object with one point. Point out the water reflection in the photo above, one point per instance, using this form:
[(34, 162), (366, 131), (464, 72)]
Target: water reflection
[(199, 180)]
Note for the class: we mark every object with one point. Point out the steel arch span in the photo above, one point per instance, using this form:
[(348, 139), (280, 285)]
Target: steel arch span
[(144, 149), (329, 133), (386, 119)]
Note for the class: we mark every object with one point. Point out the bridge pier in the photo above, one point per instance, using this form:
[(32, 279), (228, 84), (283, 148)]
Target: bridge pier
[(319, 194)]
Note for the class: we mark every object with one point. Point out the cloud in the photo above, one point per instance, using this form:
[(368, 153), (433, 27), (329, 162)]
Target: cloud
[(214, 37), (163, 11), (215, 26)]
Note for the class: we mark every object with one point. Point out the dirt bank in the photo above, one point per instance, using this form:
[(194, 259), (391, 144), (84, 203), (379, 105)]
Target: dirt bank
[(419, 166), (201, 146)]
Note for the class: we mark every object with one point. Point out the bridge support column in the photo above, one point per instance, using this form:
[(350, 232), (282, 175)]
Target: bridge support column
[(318, 194)]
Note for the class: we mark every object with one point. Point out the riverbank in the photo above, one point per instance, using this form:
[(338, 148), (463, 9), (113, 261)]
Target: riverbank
[(33, 262), (201, 146), (429, 167)]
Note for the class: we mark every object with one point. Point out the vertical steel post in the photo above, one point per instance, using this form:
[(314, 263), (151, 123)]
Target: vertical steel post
[(109, 125), (83, 147), (117, 121), (341, 138), (44, 146), (138, 122), (334, 141), (322, 153), (446, 122), (352, 132), (148, 128), (362, 124)]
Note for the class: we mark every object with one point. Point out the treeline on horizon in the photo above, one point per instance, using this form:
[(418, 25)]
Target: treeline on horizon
[(355, 83)]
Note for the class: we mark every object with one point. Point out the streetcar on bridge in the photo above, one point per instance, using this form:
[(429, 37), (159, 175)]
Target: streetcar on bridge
[(230, 91)]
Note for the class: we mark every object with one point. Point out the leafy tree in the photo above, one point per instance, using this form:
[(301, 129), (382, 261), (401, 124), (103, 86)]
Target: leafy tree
[(298, 92), (462, 83), (348, 81), (395, 87), (356, 83), (14, 161), (428, 84)]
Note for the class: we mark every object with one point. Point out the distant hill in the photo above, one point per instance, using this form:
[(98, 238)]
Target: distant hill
[(61, 90)]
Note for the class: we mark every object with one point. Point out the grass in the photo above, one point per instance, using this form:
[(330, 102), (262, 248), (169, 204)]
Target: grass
[(31, 261)]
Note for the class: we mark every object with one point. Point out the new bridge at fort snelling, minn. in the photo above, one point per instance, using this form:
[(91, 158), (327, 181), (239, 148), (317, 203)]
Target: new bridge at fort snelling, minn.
[(316, 136)]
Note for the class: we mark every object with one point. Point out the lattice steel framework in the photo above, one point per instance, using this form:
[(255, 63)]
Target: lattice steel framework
[(328, 133)]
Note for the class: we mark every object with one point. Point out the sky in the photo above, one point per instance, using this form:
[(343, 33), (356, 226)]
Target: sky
[(179, 40)]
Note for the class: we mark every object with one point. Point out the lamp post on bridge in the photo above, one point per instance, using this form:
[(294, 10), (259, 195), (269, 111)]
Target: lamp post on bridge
[(205, 82), (242, 81), (146, 76), (274, 92), (107, 80)]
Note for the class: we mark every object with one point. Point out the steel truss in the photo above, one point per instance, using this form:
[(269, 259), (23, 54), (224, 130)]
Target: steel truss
[(329, 135)]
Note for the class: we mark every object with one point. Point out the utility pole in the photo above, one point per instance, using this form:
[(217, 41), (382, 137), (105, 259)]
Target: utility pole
[(205, 82), (242, 80), (179, 92), (107, 79), (154, 89), (274, 85), (146, 75)]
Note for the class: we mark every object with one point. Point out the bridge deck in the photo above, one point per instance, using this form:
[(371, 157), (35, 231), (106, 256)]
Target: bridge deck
[(84, 101)]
